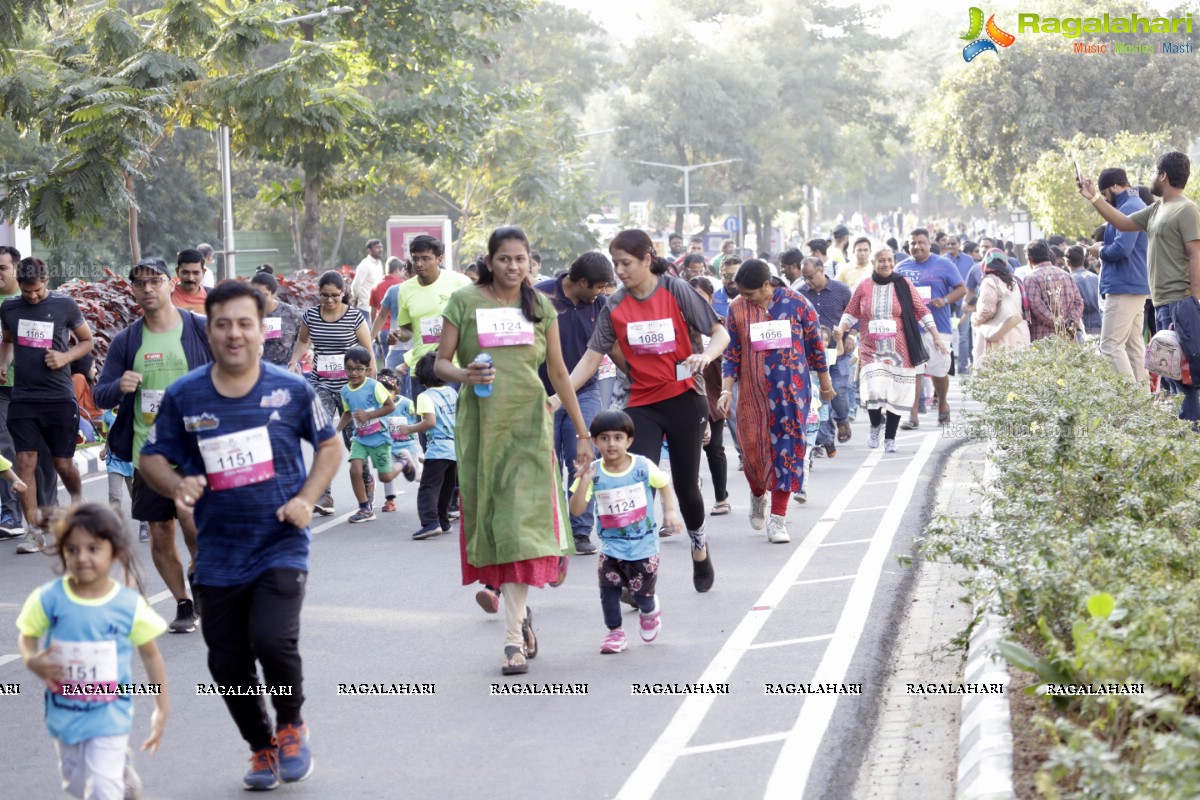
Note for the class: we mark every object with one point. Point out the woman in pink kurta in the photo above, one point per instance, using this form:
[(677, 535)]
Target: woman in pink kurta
[(891, 358)]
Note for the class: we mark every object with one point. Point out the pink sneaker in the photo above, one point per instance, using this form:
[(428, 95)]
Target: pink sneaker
[(651, 623), (614, 642)]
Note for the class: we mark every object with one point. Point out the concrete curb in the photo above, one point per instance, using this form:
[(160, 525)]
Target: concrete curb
[(985, 731), (88, 462), (985, 744)]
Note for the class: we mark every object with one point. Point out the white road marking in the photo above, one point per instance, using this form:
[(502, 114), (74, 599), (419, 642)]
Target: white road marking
[(786, 642), (789, 779), (730, 745), (672, 743), (839, 544), (868, 508), (824, 580)]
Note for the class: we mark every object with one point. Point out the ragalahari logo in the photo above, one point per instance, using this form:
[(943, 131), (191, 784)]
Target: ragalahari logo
[(995, 36)]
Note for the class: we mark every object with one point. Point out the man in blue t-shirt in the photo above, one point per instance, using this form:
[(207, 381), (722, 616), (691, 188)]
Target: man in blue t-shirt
[(578, 297), (939, 284), (234, 428)]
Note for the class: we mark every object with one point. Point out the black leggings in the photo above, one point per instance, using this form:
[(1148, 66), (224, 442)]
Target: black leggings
[(717, 465), (681, 419), (893, 421)]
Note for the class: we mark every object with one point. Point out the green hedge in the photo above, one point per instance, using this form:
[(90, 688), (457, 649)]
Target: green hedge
[(1092, 549)]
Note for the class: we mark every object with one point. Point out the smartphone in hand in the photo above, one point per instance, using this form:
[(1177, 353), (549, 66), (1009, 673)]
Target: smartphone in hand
[(1078, 174)]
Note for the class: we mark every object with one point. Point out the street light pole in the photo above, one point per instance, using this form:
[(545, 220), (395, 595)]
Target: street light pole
[(229, 263), (686, 169)]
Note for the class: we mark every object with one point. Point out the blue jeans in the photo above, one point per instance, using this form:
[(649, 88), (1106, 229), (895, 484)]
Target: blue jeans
[(565, 445), (1190, 410), (839, 376)]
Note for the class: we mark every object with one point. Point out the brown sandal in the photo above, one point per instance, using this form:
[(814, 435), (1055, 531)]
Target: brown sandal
[(528, 636), (511, 652)]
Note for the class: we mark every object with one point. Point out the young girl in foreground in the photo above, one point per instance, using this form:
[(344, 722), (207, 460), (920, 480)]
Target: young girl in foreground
[(628, 536), (91, 623)]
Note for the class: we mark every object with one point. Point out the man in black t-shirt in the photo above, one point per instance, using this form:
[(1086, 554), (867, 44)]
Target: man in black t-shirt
[(37, 327)]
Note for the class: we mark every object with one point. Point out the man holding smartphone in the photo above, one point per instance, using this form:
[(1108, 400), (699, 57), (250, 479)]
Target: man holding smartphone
[(1172, 227)]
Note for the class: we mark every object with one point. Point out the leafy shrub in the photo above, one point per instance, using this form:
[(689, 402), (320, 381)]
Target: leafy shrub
[(1095, 495)]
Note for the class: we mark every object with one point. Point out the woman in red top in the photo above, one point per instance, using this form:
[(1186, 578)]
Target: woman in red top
[(657, 319)]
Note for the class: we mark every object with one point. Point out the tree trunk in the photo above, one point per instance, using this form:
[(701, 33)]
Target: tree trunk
[(679, 221), (294, 229), (135, 246), (764, 242), (310, 230), (337, 243), (754, 216)]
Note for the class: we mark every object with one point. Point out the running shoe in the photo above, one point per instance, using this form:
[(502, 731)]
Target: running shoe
[(777, 532), (800, 496), (295, 760), (144, 532), (651, 623), (32, 542), (13, 531), (889, 445), (584, 545), (614, 642), (362, 515), (264, 771), (185, 617), (758, 512), (324, 506), (389, 505), (410, 470), (873, 437), (428, 531), (819, 451)]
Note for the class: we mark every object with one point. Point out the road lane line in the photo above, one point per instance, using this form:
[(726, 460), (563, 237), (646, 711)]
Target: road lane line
[(789, 778), (735, 743), (824, 580), (11, 657), (650, 772), (786, 642), (868, 508), (839, 544)]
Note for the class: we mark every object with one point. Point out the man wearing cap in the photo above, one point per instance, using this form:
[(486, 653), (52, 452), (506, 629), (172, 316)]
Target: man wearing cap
[(837, 248), (37, 326), (189, 294), (143, 360), (1124, 280)]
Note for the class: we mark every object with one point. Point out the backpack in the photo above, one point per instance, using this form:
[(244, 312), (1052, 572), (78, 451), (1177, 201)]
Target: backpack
[(1165, 357)]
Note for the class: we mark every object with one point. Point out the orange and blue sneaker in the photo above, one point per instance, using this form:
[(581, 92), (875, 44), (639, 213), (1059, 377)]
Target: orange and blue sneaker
[(295, 760), (264, 771)]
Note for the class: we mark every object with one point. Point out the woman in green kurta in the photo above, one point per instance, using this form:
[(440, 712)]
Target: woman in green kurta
[(514, 521)]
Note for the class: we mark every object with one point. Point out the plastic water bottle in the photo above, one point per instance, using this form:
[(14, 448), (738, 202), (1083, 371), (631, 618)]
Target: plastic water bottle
[(483, 389)]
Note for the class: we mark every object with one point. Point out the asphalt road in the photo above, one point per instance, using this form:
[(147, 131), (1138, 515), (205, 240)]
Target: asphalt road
[(382, 608)]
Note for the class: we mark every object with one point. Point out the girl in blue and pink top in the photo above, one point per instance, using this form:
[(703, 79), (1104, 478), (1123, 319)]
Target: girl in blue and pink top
[(78, 634)]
